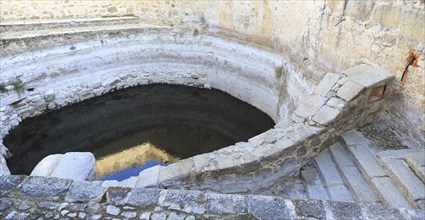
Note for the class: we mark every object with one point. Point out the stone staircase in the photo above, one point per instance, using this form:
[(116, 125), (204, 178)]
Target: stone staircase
[(352, 171)]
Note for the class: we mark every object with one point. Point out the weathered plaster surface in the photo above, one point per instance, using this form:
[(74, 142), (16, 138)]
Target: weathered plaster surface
[(330, 35)]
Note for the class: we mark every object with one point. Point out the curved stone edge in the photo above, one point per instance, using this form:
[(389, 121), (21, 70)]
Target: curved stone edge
[(280, 151), (179, 68), (263, 160), (91, 199)]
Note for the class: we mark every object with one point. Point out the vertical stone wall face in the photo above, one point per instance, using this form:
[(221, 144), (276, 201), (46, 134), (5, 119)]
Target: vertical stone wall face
[(15, 10), (332, 35)]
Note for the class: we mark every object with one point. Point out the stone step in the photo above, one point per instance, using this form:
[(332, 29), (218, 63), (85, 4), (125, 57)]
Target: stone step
[(351, 175), (416, 162), (389, 194), (331, 179), (406, 180), (359, 149), (18, 35), (314, 186), (35, 25), (77, 166)]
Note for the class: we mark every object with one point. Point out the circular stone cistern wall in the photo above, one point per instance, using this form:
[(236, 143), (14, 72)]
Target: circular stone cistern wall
[(68, 68)]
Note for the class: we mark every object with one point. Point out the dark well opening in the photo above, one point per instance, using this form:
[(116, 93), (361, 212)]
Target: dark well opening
[(182, 121)]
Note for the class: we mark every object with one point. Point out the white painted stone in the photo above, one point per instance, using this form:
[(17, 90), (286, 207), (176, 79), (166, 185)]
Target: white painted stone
[(368, 75), (326, 84), (349, 90), (310, 105), (336, 103), (326, 115), (75, 165), (46, 166), (148, 178), (49, 95), (4, 170)]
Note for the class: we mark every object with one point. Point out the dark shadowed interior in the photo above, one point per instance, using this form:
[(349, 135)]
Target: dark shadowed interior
[(183, 121)]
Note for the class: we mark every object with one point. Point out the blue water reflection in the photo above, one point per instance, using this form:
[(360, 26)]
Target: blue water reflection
[(132, 171)]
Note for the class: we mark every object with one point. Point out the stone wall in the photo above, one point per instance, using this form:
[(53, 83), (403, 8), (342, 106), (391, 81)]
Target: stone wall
[(18, 10), (327, 35), (55, 198)]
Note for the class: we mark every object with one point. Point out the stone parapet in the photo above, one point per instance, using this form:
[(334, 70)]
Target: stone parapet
[(88, 200)]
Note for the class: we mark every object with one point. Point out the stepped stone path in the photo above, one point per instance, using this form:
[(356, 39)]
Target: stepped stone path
[(352, 171)]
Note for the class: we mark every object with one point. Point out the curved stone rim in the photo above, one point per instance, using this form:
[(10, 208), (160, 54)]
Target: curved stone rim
[(203, 61)]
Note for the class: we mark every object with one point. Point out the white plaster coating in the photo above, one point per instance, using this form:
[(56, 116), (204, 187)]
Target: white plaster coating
[(47, 165), (75, 165), (164, 55)]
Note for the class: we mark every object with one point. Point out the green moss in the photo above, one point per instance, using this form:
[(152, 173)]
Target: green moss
[(18, 86)]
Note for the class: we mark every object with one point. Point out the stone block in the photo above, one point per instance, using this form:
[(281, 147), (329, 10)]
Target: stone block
[(335, 102), (413, 23), (182, 200), (314, 186), (47, 165), (405, 179), (75, 165), (307, 209), (82, 191), (118, 195), (379, 212), (388, 15), (143, 197), (416, 161), (310, 105), (172, 175), (274, 209), (328, 170), (353, 137), (220, 204), (326, 115), (148, 178), (340, 155), (368, 75), (389, 194), (366, 161), (358, 185), (340, 193), (349, 90), (341, 210), (9, 183), (44, 187), (326, 84)]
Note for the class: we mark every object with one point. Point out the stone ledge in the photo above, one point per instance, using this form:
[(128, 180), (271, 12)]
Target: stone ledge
[(140, 203)]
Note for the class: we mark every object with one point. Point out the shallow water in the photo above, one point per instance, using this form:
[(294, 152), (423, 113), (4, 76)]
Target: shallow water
[(182, 121)]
